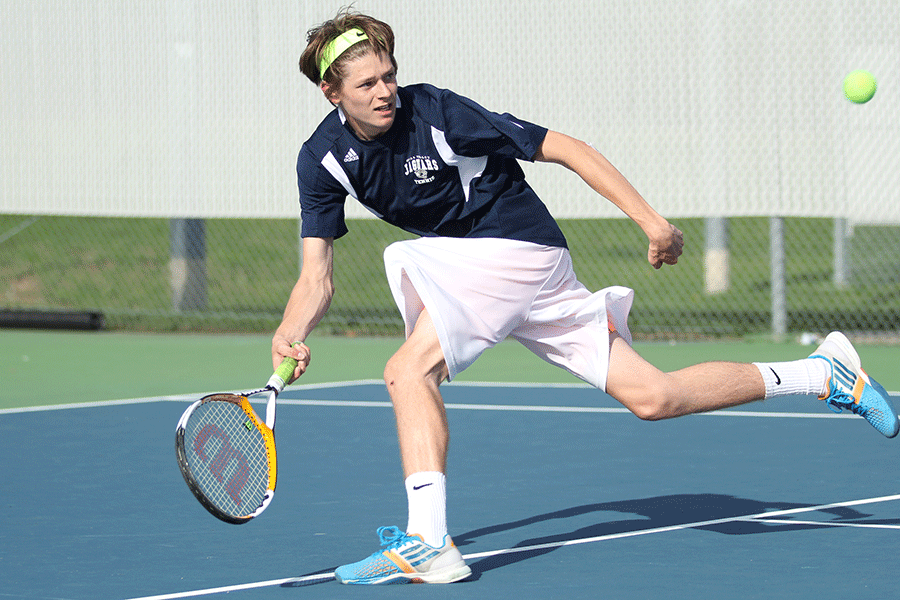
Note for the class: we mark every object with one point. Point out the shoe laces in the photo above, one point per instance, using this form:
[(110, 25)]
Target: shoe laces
[(839, 400), (391, 537)]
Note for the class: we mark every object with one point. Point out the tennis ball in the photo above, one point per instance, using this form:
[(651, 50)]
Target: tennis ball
[(859, 87)]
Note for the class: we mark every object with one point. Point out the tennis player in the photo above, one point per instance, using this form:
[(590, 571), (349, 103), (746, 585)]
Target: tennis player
[(491, 263)]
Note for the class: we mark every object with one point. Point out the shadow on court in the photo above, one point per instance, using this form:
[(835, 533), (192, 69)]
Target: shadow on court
[(655, 513), (659, 512), (301, 583)]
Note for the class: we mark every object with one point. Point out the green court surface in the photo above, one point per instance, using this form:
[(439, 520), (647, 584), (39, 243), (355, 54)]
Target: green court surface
[(42, 367)]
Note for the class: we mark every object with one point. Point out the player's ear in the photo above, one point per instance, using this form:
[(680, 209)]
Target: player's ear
[(331, 94)]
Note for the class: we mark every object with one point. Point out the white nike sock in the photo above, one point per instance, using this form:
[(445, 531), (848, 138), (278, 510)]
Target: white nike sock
[(426, 493), (805, 377)]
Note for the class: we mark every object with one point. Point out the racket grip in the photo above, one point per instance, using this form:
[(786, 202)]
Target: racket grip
[(286, 369)]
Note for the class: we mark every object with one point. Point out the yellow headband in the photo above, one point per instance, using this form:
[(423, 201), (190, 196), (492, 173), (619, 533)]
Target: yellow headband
[(338, 46)]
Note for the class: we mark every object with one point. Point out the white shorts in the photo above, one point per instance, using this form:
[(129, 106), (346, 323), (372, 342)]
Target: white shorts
[(479, 291)]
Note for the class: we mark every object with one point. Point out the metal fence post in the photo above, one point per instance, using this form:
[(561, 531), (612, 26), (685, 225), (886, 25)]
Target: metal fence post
[(187, 264), (779, 289), (841, 255), (717, 264)]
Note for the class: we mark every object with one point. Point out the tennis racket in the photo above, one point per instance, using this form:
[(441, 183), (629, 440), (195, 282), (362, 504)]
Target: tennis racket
[(226, 453)]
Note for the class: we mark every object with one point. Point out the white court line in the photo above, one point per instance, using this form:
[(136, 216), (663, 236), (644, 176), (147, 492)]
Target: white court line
[(239, 587), (174, 398), (101, 404), (499, 384), (640, 532), (185, 398), (564, 409), (763, 517), (475, 384), (826, 524)]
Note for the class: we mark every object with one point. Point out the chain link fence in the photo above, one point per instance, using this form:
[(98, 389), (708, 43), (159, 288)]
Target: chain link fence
[(133, 272)]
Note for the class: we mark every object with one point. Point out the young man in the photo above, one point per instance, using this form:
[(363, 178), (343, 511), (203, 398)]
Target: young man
[(491, 264)]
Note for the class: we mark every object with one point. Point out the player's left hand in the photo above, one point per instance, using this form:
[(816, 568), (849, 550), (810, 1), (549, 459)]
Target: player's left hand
[(666, 246)]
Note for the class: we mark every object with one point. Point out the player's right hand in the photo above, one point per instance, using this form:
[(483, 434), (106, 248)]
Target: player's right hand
[(282, 348)]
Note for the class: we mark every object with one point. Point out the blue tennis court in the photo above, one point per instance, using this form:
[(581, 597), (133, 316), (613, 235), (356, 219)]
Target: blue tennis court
[(554, 491)]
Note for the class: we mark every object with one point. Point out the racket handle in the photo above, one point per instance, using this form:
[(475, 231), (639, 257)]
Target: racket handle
[(286, 369)]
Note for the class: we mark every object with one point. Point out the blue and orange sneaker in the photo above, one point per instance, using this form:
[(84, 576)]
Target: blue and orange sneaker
[(851, 388), (406, 559)]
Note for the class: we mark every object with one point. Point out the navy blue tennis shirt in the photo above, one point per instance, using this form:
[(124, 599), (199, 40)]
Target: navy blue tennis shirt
[(447, 167)]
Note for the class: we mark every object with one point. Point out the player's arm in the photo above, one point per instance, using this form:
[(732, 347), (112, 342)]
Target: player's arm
[(308, 303), (666, 240)]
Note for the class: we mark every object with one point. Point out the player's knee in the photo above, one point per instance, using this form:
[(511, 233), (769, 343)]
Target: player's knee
[(394, 372), (404, 370), (400, 370)]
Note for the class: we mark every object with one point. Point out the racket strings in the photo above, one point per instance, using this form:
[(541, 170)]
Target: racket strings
[(227, 456)]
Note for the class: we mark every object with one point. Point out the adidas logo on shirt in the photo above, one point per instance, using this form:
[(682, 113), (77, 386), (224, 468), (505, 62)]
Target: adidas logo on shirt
[(351, 156)]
